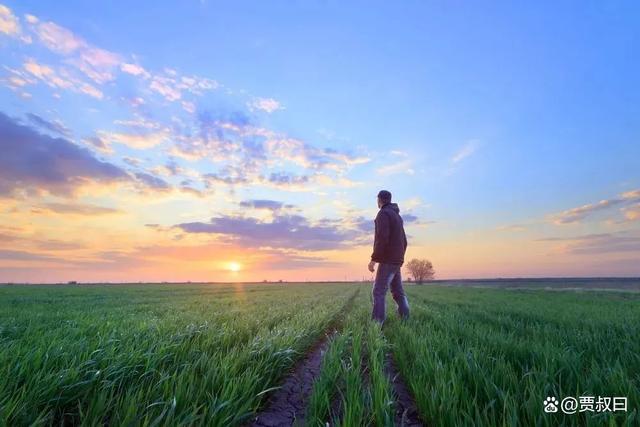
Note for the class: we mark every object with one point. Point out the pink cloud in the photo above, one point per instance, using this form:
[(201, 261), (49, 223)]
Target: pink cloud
[(9, 23)]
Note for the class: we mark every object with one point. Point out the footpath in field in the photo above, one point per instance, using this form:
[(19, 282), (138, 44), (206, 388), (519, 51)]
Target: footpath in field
[(289, 402), (347, 378), (406, 413)]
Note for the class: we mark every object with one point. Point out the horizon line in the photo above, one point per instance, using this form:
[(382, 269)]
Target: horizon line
[(191, 282)]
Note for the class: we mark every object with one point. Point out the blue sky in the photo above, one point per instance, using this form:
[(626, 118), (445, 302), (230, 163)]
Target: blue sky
[(490, 123)]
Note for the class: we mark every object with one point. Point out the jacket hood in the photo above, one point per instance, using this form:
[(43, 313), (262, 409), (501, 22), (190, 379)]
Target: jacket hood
[(393, 206)]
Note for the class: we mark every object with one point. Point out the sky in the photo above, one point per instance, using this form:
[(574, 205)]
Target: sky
[(246, 141)]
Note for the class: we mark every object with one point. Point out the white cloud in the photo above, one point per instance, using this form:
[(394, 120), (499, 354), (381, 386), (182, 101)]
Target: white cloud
[(51, 78), (396, 168), (140, 141), (189, 107), (467, 149), (265, 104), (57, 38), (46, 74), (87, 89), (579, 213), (96, 63), (134, 69), (31, 19), (166, 87), (9, 23)]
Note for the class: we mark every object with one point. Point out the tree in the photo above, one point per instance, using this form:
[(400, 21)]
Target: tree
[(420, 270)]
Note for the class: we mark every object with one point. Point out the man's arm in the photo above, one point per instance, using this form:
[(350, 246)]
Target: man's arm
[(405, 239), (381, 239)]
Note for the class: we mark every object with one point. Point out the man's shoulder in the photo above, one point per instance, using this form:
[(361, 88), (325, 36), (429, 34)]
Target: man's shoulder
[(390, 212)]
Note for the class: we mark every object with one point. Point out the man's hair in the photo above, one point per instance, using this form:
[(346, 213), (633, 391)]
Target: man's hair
[(384, 196)]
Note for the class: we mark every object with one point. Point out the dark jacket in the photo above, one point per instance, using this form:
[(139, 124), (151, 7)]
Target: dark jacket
[(390, 242)]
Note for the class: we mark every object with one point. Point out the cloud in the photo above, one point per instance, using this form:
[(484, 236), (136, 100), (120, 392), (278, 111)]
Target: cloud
[(152, 182), (102, 65), (132, 161), (53, 79), (599, 243), (85, 209), (210, 179), (12, 255), (190, 190), (577, 214), (51, 126), (220, 137), (467, 150), (632, 213), (134, 69), (96, 63), (244, 153), (265, 104), (396, 168), (196, 85), (409, 218), (31, 160), (141, 140), (57, 38), (99, 144), (262, 204), (171, 86), (631, 195), (282, 232), (189, 107), (580, 213), (17, 79), (46, 74), (284, 179), (9, 23), (300, 153), (166, 87), (87, 89)]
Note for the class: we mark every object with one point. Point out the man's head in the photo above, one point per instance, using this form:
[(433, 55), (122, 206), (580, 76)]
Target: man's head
[(384, 197)]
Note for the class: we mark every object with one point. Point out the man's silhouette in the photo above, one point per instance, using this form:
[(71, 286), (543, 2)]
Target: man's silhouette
[(389, 246)]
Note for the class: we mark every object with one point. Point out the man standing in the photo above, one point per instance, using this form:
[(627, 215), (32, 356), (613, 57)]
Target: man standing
[(389, 246)]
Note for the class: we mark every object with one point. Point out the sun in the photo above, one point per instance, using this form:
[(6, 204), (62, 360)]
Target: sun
[(234, 266)]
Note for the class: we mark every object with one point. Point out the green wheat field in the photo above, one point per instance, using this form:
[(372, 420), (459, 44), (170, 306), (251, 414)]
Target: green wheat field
[(198, 354)]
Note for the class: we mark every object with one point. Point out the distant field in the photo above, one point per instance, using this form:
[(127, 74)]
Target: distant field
[(586, 284), (214, 354)]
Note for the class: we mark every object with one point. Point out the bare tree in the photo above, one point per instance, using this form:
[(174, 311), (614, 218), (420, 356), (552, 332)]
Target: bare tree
[(420, 270)]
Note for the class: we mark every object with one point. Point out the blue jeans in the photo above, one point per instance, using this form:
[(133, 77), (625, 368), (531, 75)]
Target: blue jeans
[(388, 275)]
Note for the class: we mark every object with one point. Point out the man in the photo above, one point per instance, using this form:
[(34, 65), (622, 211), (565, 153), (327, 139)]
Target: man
[(389, 246)]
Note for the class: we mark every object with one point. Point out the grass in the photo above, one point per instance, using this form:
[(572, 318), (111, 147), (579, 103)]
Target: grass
[(209, 354), (489, 357), (352, 388), (154, 355)]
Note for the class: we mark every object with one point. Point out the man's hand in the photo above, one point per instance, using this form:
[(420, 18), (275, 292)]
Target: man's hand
[(372, 266)]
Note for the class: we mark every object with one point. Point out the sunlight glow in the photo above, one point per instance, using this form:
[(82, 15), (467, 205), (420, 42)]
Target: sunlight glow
[(234, 266)]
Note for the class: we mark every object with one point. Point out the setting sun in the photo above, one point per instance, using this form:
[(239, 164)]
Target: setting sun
[(234, 266)]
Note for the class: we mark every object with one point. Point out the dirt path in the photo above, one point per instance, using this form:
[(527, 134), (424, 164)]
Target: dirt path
[(406, 413), (287, 405)]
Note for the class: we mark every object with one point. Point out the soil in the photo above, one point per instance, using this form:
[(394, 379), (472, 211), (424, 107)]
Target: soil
[(406, 412), (287, 405)]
